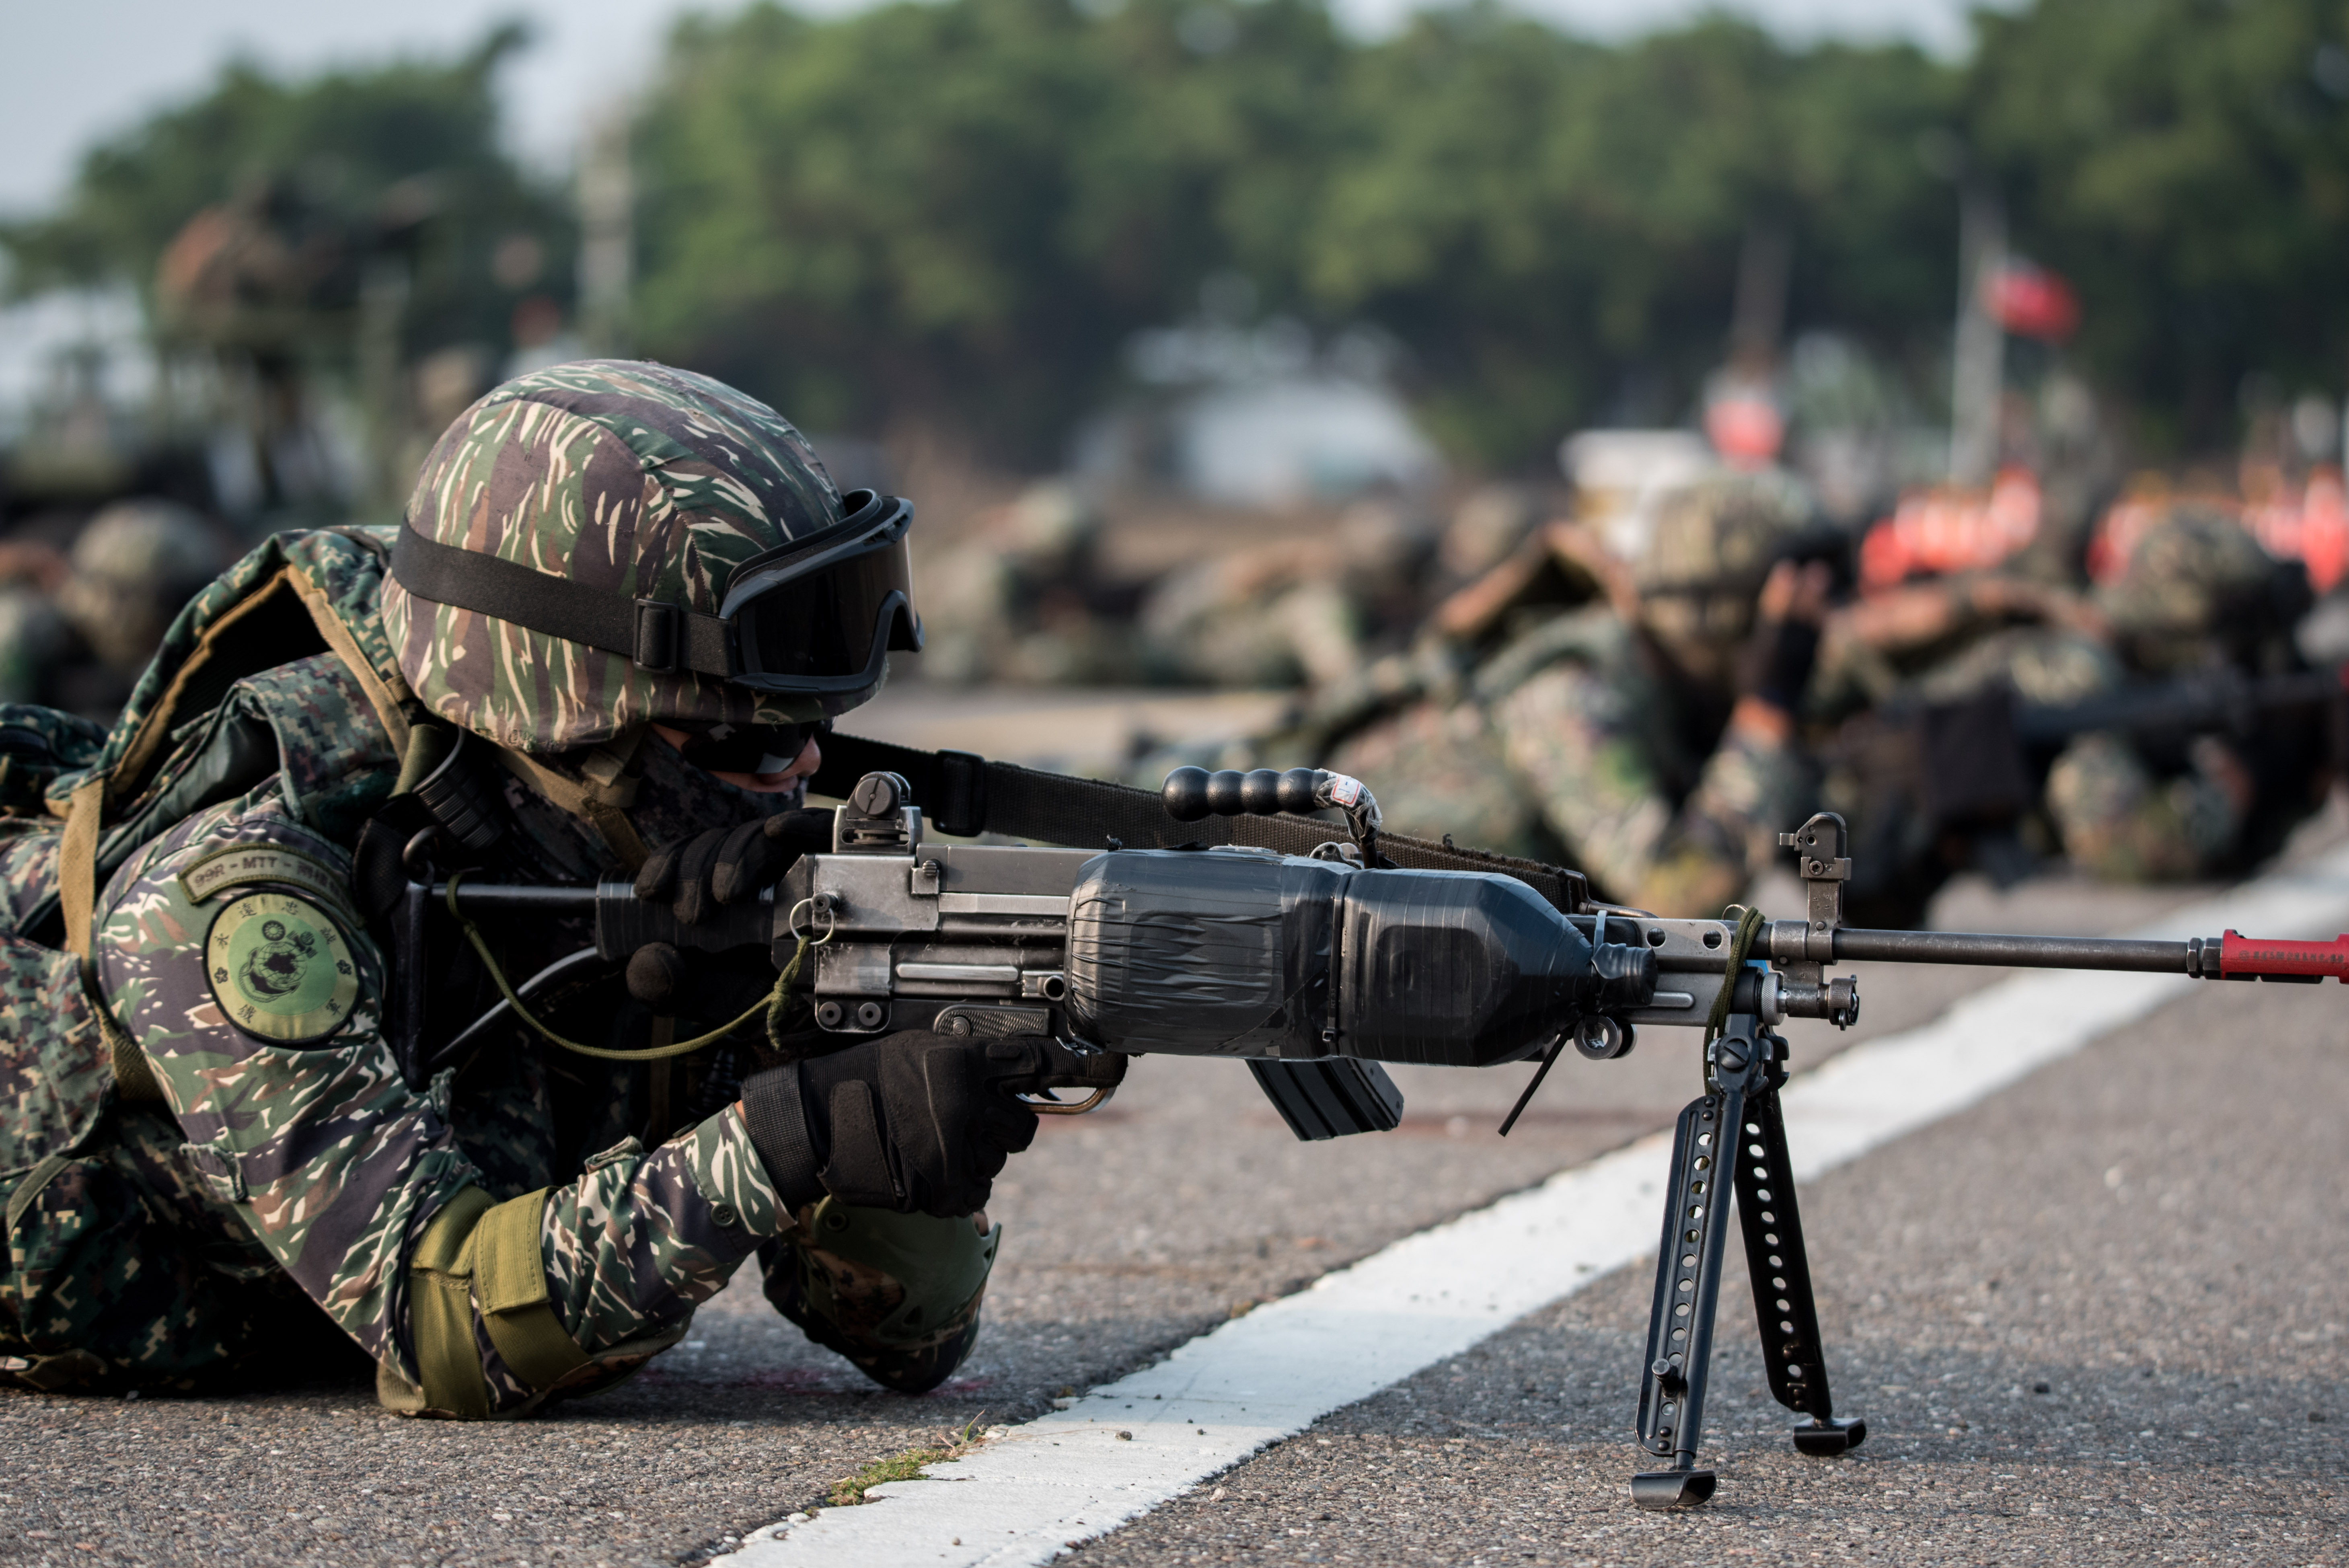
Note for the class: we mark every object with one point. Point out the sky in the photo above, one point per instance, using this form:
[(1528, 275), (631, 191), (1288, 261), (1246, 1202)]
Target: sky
[(87, 69)]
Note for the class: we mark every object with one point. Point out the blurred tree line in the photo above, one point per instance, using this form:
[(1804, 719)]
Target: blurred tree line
[(315, 179), (960, 212), (956, 215)]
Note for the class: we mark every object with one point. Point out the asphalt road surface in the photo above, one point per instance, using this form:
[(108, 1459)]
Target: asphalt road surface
[(2098, 1318)]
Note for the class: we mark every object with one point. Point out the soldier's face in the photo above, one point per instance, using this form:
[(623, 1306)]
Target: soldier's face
[(804, 765), (1702, 632)]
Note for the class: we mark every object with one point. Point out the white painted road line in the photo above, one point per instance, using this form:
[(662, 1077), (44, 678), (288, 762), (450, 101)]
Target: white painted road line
[(1129, 1446)]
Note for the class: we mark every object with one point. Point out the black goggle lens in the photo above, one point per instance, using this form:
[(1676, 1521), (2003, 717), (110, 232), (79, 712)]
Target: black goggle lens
[(823, 626)]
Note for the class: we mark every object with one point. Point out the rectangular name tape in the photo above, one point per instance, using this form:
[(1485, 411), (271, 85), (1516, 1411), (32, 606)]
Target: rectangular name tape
[(240, 864)]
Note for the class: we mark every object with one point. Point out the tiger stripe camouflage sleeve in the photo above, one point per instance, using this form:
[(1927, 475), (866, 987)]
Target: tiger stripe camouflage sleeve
[(639, 1239), (334, 1163), (297, 1115)]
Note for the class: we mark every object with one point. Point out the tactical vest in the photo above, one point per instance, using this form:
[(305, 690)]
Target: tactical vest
[(80, 802), (216, 714)]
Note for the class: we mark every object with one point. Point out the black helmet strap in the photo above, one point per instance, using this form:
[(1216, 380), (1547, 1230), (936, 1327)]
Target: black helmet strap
[(661, 638)]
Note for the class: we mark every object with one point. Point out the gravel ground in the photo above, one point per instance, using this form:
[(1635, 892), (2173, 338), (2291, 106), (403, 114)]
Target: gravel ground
[(1134, 1229)]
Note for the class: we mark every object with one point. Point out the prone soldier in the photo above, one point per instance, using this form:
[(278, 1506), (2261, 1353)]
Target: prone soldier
[(1968, 708), (245, 1119), (1648, 730)]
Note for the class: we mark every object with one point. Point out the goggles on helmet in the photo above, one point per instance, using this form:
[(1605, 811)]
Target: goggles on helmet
[(819, 614)]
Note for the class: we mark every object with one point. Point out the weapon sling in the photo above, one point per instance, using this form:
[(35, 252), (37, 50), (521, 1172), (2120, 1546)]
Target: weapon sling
[(962, 794)]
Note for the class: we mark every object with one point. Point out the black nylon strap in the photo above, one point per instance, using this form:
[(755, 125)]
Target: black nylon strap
[(656, 635), (779, 1131), (964, 794), (858, 1171)]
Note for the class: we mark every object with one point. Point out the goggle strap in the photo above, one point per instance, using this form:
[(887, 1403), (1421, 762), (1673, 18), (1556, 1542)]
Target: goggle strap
[(658, 647), (657, 636)]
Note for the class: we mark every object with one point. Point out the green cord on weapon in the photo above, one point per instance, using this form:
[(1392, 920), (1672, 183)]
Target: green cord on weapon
[(1741, 944), (774, 1004)]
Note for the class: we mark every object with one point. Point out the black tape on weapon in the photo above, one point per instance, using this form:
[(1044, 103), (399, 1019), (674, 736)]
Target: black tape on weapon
[(1218, 952)]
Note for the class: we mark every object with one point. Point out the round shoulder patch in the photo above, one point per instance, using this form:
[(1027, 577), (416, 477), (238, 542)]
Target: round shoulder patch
[(280, 968)]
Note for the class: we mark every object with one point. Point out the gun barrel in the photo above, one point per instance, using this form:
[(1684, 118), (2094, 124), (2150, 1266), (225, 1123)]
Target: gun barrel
[(1855, 943)]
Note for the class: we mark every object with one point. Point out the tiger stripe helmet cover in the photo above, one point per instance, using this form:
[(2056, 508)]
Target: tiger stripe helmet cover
[(623, 476)]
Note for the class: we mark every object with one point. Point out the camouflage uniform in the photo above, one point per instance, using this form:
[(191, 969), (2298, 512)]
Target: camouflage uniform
[(2197, 591), (1600, 734), (290, 1179)]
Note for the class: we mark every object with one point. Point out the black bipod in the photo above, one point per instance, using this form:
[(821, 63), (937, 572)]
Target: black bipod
[(1738, 1120)]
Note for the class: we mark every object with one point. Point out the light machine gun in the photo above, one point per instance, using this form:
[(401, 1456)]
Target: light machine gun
[(1314, 969)]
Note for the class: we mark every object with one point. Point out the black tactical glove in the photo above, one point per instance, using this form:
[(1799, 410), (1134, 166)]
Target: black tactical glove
[(1777, 662), (727, 865), (694, 876), (914, 1121)]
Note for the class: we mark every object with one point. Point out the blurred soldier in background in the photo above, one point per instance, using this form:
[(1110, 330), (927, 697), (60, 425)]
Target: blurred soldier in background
[(75, 630), (1645, 733), (1914, 701), (1967, 707), (1022, 597), (131, 570), (1309, 611), (2198, 597)]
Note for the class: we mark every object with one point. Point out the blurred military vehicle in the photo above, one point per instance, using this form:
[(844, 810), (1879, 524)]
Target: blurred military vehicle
[(84, 420)]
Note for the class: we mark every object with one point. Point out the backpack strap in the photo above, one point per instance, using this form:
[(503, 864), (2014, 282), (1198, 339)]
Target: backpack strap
[(78, 862), (386, 691), (601, 794), (200, 681), (77, 896)]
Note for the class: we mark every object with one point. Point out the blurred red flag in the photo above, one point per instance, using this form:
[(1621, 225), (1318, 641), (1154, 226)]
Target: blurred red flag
[(2030, 302)]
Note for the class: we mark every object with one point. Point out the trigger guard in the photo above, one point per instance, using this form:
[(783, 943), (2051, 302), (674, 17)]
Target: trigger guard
[(1065, 1108)]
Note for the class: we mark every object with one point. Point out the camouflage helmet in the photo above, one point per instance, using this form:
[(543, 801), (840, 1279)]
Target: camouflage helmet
[(627, 481), (1710, 545), (2198, 585), (133, 565), (1720, 534)]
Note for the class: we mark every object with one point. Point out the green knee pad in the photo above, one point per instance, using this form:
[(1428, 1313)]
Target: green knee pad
[(896, 1293)]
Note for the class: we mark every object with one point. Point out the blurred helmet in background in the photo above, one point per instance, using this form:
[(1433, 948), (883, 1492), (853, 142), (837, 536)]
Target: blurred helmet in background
[(1712, 543), (133, 566), (2198, 588)]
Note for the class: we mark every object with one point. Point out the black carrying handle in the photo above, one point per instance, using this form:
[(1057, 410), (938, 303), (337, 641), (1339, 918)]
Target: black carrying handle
[(1193, 793)]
